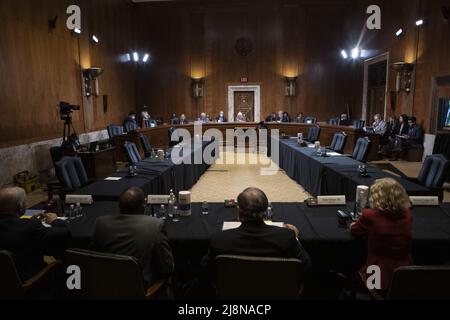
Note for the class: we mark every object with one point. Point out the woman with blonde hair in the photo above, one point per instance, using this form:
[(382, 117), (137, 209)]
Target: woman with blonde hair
[(387, 225)]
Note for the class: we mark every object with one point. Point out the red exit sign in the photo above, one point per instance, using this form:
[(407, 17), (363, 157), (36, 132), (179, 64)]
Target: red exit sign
[(244, 79)]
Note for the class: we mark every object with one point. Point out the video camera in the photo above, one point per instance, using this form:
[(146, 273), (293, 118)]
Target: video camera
[(65, 110)]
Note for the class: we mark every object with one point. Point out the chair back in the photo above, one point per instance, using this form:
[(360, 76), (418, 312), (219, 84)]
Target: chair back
[(434, 171), (310, 120), (114, 130), (361, 149), (420, 283), (56, 153), (243, 277), (106, 276), (313, 134), (359, 124), (334, 121), (145, 143), (11, 285), (71, 173), (133, 153), (338, 142)]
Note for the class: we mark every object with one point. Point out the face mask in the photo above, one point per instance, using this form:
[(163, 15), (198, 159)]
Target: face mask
[(133, 117)]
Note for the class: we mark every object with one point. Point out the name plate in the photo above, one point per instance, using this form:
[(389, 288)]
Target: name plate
[(331, 200), (424, 201), (79, 198), (157, 199)]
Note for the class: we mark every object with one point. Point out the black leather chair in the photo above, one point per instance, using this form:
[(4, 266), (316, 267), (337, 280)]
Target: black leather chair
[(12, 287), (310, 120), (361, 149), (133, 153), (258, 278), (338, 142), (108, 276), (146, 144), (53, 184), (433, 173), (417, 283), (172, 131), (114, 130), (359, 124), (313, 134), (71, 174), (334, 121)]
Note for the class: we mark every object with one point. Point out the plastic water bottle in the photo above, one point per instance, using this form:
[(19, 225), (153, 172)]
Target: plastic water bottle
[(205, 208), (78, 210), (171, 206), (269, 212), (71, 212), (162, 212)]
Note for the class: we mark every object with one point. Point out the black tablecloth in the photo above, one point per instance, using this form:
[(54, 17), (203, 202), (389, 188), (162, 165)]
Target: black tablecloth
[(334, 175), (154, 177), (330, 245)]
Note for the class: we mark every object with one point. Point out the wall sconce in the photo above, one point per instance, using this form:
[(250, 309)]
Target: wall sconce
[(91, 74), (290, 87), (197, 87), (404, 76)]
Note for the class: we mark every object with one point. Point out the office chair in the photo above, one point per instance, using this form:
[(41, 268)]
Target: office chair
[(114, 130), (310, 120), (334, 121), (172, 131), (108, 276), (71, 174), (416, 283), (12, 287), (359, 124), (313, 134), (146, 144), (433, 174), (361, 149), (133, 153), (255, 278), (338, 142)]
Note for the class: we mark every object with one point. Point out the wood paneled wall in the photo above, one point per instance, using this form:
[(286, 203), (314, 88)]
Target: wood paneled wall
[(290, 38), (40, 67), (428, 47)]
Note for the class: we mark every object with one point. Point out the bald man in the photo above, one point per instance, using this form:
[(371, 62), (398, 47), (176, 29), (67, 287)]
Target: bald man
[(254, 237), (134, 234), (27, 239)]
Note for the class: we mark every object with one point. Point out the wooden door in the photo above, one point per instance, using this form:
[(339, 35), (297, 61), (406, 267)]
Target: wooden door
[(244, 101)]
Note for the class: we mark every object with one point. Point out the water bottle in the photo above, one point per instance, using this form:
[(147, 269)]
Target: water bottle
[(269, 215), (171, 205), (153, 154), (205, 208), (78, 210), (71, 213), (162, 212)]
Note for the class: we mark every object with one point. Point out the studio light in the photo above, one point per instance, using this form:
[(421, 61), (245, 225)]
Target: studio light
[(344, 54), (95, 39), (419, 22), (399, 33), (146, 56), (355, 53), (136, 57)]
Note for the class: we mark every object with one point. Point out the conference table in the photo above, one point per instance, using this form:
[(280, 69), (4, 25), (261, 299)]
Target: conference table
[(154, 176), (330, 245), (332, 175)]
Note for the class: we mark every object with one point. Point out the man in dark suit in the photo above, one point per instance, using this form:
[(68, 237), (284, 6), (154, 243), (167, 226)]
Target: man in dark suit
[(174, 119), (130, 123), (131, 233), (254, 237), (27, 239), (221, 117)]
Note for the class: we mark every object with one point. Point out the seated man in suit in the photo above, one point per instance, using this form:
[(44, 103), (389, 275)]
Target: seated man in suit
[(174, 119), (254, 237), (130, 123), (240, 117), (27, 239), (203, 118), (221, 117), (183, 119), (379, 125), (131, 233), (300, 118), (271, 117)]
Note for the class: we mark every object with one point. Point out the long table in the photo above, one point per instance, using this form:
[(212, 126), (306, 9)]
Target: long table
[(159, 136), (330, 245), (153, 177), (334, 175)]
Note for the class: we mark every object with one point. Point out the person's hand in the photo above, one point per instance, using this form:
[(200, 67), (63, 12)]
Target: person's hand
[(293, 228), (50, 217)]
